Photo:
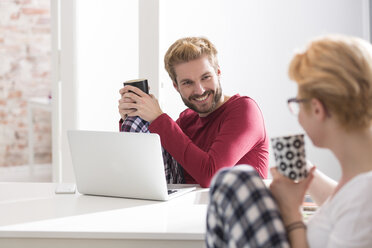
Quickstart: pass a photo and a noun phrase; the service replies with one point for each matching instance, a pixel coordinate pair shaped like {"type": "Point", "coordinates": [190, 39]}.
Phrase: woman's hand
{"type": "Point", "coordinates": [289, 194]}
{"type": "Point", "coordinates": [134, 102]}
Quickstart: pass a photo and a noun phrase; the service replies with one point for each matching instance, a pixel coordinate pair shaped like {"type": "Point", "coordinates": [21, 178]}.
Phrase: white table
{"type": "Point", "coordinates": [32, 215]}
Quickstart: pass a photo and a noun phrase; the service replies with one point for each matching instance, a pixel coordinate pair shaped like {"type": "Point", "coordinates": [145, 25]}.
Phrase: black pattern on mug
{"type": "Point", "coordinates": [289, 153]}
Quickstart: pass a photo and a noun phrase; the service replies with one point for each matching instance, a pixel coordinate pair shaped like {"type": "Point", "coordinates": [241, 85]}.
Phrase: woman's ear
{"type": "Point", "coordinates": [318, 109]}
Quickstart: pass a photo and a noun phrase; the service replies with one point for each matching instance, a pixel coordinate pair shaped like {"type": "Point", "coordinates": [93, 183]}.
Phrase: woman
{"type": "Point", "coordinates": [334, 78]}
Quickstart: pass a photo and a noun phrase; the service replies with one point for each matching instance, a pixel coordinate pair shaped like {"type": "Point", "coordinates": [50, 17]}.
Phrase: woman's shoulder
{"type": "Point", "coordinates": [356, 192]}
{"type": "Point", "coordinates": [362, 181]}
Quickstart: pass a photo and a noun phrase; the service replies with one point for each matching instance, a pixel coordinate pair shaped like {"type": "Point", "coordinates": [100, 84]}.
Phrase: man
{"type": "Point", "coordinates": [216, 130]}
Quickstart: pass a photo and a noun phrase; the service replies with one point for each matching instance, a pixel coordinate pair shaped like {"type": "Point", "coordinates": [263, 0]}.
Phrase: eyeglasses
{"type": "Point", "coordinates": [293, 105]}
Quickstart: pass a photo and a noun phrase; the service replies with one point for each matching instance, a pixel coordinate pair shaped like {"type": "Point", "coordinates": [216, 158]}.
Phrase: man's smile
{"type": "Point", "coordinates": [202, 98]}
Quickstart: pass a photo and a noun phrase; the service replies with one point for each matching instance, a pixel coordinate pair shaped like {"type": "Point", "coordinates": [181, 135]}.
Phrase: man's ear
{"type": "Point", "coordinates": [318, 109]}
{"type": "Point", "coordinates": [175, 85]}
{"type": "Point", "coordinates": [218, 71]}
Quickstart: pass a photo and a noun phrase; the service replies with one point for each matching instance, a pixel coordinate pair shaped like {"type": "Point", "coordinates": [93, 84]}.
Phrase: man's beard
{"type": "Point", "coordinates": [216, 99]}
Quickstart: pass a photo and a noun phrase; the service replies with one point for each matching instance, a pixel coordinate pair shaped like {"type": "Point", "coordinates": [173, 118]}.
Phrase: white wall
{"type": "Point", "coordinates": [256, 40]}
{"type": "Point", "coordinates": [98, 43]}
{"type": "Point", "coordinates": [107, 55]}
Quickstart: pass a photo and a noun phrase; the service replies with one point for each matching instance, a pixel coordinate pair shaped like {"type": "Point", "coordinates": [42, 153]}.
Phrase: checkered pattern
{"type": "Point", "coordinates": [135, 125]}
{"type": "Point", "coordinates": [173, 170]}
{"type": "Point", "coordinates": [242, 212]}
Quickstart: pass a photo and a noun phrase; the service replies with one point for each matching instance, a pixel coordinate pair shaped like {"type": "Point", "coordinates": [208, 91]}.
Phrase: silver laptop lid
{"type": "Point", "coordinates": [118, 164]}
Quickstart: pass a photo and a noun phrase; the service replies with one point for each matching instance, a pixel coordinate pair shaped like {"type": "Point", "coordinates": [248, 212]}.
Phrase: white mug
{"type": "Point", "coordinates": [290, 157]}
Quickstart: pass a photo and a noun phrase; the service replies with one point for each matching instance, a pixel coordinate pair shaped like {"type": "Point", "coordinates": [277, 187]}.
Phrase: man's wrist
{"type": "Point", "coordinates": [156, 117]}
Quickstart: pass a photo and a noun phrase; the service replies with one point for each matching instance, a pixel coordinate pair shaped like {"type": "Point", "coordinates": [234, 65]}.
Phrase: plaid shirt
{"type": "Point", "coordinates": [242, 212]}
{"type": "Point", "coordinates": [173, 170]}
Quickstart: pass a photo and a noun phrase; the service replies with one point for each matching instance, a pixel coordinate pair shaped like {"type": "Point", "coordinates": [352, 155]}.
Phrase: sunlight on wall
{"type": "Point", "coordinates": [107, 55]}
{"type": "Point", "coordinates": [256, 40]}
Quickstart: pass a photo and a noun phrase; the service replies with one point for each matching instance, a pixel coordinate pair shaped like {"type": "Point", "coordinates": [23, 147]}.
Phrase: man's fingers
{"type": "Point", "coordinates": [128, 106]}
{"type": "Point", "coordinates": [133, 113]}
{"type": "Point", "coordinates": [128, 111]}
{"type": "Point", "coordinates": [137, 91]}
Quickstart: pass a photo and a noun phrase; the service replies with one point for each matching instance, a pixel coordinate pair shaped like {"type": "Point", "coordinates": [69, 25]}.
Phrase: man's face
{"type": "Point", "coordinates": [199, 85]}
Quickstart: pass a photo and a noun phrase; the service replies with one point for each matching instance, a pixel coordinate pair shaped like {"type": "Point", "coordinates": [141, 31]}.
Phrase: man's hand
{"type": "Point", "coordinates": [122, 111]}
{"type": "Point", "coordinates": [134, 102]}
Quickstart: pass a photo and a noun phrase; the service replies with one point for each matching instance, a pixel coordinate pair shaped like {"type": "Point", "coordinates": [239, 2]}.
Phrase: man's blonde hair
{"type": "Point", "coordinates": [187, 49]}
{"type": "Point", "coordinates": [337, 70]}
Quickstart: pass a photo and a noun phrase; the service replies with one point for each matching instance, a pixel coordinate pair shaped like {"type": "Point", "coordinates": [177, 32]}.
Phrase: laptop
{"type": "Point", "coordinates": [121, 164]}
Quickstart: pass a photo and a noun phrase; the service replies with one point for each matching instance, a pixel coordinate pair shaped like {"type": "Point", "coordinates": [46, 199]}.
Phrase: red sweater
{"type": "Point", "coordinates": [232, 134]}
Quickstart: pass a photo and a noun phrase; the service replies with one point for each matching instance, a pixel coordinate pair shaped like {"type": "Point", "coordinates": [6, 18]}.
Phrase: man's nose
{"type": "Point", "coordinates": [199, 88]}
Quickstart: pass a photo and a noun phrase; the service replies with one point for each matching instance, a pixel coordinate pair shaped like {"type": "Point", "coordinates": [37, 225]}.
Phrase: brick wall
{"type": "Point", "coordinates": [25, 63]}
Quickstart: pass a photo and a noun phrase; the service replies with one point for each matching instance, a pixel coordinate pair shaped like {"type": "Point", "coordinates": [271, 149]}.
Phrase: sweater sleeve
{"type": "Point", "coordinates": [240, 131]}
